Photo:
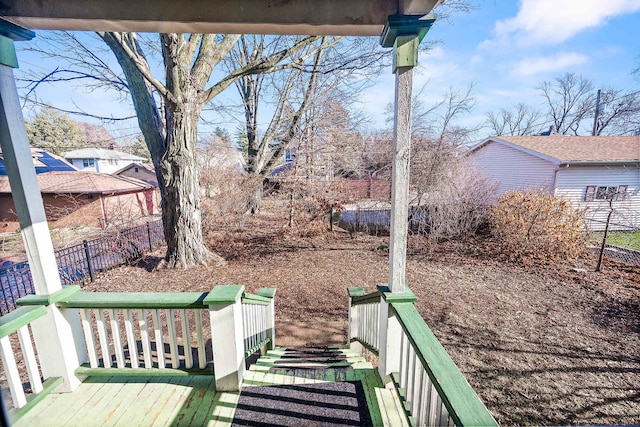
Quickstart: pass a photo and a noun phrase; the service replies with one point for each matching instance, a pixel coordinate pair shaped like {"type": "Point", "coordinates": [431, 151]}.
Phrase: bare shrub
{"type": "Point", "coordinates": [310, 204]}
{"type": "Point", "coordinates": [452, 195]}
{"type": "Point", "coordinates": [228, 192]}
{"type": "Point", "coordinates": [537, 225]}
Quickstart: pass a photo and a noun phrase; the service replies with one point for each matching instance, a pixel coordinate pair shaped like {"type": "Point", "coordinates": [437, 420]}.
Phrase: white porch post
{"type": "Point", "coordinates": [404, 47]}
{"type": "Point", "coordinates": [53, 333]}
{"type": "Point", "coordinates": [227, 336]}
{"type": "Point", "coordinates": [403, 33]}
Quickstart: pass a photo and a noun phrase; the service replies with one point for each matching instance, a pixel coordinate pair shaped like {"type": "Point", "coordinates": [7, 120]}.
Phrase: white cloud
{"type": "Point", "coordinates": [554, 21]}
{"type": "Point", "coordinates": [544, 64]}
{"type": "Point", "coordinates": [434, 53]}
{"type": "Point", "coordinates": [476, 59]}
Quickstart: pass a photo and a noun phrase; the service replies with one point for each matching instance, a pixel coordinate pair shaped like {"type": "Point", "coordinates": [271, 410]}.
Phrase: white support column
{"type": "Point", "coordinates": [404, 34]}
{"type": "Point", "coordinates": [225, 311]}
{"type": "Point", "coordinates": [54, 332]}
{"type": "Point", "coordinates": [400, 180]}
{"type": "Point", "coordinates": [24, 188]}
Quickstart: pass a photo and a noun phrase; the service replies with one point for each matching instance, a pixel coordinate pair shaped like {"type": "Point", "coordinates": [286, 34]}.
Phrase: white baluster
{"type": "Point", "coordinates": [173, 342]}
{"type": "Point", "coordinates": [186, 339]}
{"type": "Point", "coordinates": [117, 340]}
{"type": "Point", "coordinates": [200, 336]}
{"type": "Point", "coordinates": [144, 337]}
{"type": "Point", "coordinates": [30, 359]}
{"type": "Point", "coordinates": [131, 338]}
{"type": "Point", "coordinates": [85, 317]}
{"type": "Point", "coordinates": [157, 334]}
{"type": "Point", "coordinates": [102, 337]}
{"type": "Point", "coordinates": [11, 372]}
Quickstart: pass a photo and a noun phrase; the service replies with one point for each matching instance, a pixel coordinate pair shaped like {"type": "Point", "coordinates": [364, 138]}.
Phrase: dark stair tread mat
{"type": "Point", "coordinates": [317, 371]}
{"type": "Point", "coordinates": [314, 354]}
{"type": "Point", "coordinates": [310, 360]}
{"type": "Point", "coordinates": [321, 404]}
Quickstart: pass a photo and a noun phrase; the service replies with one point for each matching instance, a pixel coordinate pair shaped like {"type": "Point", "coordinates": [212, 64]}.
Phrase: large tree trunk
{"type": "Point", "coordinates": [179, 169]}
{"type": "Point", "coordinates": [173, 150]}
{"type": "Point", "coordinates": [255, 197]}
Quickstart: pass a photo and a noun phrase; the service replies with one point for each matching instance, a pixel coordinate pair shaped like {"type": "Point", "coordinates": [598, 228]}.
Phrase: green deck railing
{"type": "Point", "coordinates": [431, 386]}
{"type": "Point", "coordinates": [17, 323]}
{"type": "Point", "coordinates": [154, 333]}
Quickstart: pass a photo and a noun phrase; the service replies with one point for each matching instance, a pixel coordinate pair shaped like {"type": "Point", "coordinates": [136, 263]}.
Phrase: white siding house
{"type": "Point", "coordinates": [100, 159]}
{"type": "Point", "coordinates": [591, 172]}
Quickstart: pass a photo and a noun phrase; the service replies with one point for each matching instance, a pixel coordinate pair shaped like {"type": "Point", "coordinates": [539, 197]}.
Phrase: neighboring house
{"type": "Point", "coordinates": [89, 199]}
{"type": "Point", "coordinates": [142, 171]}
{"type": "Point", "coordinates": [221, 156]}
{"type": "Point", "coordinates": [44, 162]}
{"type": "Point", "coordinates": [100, 159]}
{"type": "Point", "coordinates": [586, 170]}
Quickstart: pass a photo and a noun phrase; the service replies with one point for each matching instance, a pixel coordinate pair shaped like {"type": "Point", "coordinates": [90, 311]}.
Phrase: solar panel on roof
{"type": "Point", "coordinates": [51, 164]}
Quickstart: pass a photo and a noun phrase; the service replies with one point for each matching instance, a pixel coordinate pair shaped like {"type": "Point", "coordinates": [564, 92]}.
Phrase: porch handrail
{"type": "Point", "coordinates": [419, 344]}
{"type": "Point", "coordinates": [121, 329]}
{"type": "Point", "coordinates": [257, 320]}
{"type": "Point", "coordinates": [179, 315]}
{"type": "Point", "coordinates": [17, 322]}
{"type": "Point", "coordinates": [364, 318]}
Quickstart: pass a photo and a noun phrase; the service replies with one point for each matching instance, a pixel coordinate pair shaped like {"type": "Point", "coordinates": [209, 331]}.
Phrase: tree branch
{"type": "Point", "coordinates": [135, 57]}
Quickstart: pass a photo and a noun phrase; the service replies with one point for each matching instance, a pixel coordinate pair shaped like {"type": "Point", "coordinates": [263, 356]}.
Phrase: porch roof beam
{"type": "Point", "coordinates": [314, 17]}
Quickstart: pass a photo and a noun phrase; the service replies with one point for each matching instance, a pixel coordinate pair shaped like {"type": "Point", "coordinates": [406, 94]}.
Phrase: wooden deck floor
{"type": "Point", "coordinates": [191, 400]}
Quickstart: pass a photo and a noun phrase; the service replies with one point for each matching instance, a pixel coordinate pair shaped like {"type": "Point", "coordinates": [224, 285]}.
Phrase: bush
{"type": "Point", "coordinates": [537, 225]}
{"type": "Point", "coordinates": [452, 198]}
{"type": "Point", "coordinates": [228, 194]}
{"type": "Point", "coordinates": [310, 202]}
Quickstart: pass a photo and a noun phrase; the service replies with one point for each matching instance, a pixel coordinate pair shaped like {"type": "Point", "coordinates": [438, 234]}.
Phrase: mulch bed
{"type": "Point", "coordinates": [541, 344]}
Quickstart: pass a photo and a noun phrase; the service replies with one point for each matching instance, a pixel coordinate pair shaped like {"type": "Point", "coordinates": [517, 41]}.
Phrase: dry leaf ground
{"type": "Point", "coordinates": [541, 344]}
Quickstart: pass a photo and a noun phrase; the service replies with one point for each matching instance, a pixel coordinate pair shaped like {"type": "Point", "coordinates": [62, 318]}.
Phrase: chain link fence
{"type": "Point", "coordinates": [79, 264]}
{"type": "Point", "coordinates": [622, 243]}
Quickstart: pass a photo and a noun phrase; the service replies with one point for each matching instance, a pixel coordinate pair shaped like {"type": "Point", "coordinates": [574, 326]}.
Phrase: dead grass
{"type": "Point", "coordinates": [541, 344]}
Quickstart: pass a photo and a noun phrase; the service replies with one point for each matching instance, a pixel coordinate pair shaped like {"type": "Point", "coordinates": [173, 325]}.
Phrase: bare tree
{"type": "Point", "coordinates": [520, 120]}
{"type": "Point", "coordinates": [168, 106]}
{"type": "Point", "coordinates": [263, 153]}
{"type": "Point", "coordinates": [618, 112]}
{"type": "Point", "coordinates": [569, 100]}
{"type": "Point", "coordinates": [303, 96]}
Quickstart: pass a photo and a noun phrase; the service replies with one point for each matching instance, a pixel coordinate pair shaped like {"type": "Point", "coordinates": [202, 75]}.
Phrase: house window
{"type": "Point", "coordinates": [289, 155]}
{"type": "Point", "coordinates": [615, 193]}
{"type": "Point", "coordinates": [135, 170]}
{"type": "Point", "coordinates": [87, 162]}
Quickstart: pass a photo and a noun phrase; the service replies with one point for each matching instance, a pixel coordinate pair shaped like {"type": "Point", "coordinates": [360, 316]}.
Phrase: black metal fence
{"type": "Point", "coordinates": [79, 264]}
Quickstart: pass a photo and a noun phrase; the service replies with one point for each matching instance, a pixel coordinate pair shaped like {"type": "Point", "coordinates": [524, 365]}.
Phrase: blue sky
{"type": "Point", "coordinates": [506, 48]}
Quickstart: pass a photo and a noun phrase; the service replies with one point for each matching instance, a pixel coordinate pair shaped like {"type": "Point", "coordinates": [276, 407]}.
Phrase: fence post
{"type": "Point", "coordinates": [604, 238]}
{"type": "Point", "coordinates": [149, 234]}
{"type": "Point", "coordinates": [87, 254]}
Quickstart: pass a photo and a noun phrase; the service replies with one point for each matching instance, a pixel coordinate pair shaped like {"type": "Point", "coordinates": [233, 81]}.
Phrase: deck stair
{"type": "Point", "coordinates": [316, 386]}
